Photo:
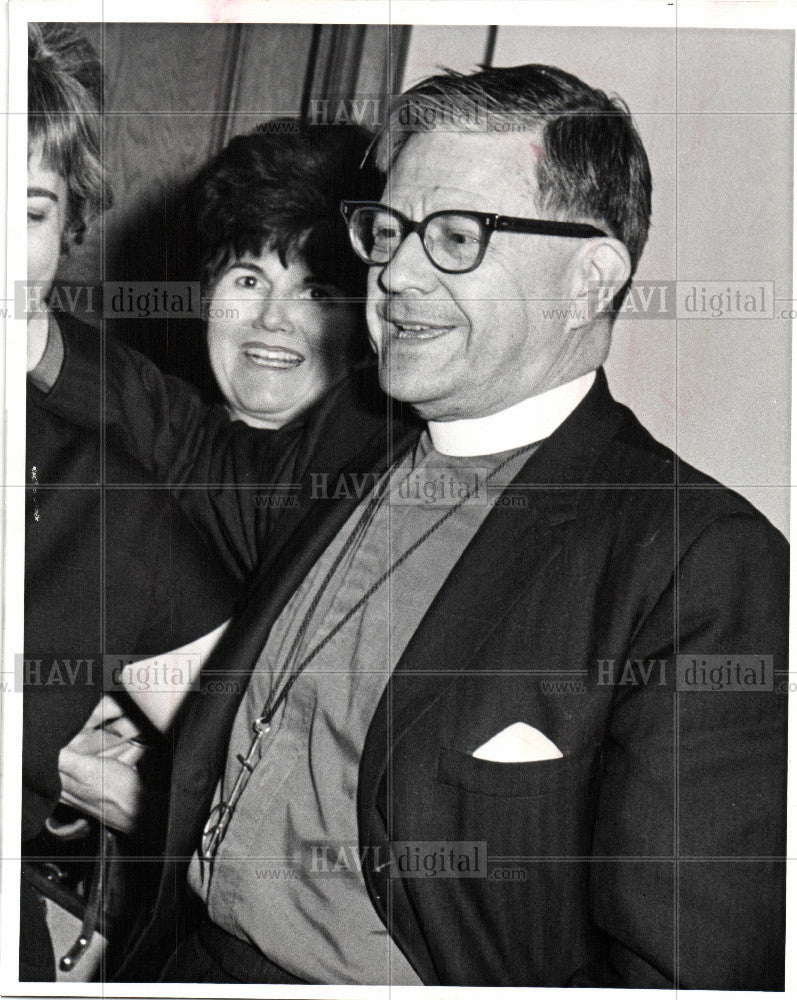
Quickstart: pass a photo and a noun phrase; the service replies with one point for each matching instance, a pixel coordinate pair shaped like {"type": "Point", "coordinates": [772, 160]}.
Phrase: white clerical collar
{"type": "Point", "coordinates": [524, 423]}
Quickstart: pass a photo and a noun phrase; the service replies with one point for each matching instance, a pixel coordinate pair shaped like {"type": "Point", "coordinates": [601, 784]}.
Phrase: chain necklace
{"type": "Point", "coordinates": [221, 814]}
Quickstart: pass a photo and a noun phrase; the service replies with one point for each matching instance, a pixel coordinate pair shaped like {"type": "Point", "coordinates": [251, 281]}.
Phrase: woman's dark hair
{"type": "Point", "coordinates": [279, 188]}
{"type": "Point", "coordinates": [64, 114]}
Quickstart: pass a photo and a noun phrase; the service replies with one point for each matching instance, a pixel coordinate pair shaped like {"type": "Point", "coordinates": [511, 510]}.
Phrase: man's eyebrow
{"type": "Point", "coordinates": [36, 192]}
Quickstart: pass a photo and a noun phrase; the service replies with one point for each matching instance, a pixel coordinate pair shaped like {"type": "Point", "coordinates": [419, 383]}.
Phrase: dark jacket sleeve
{"type": "Point", "coordinates": [223, 472]}
{"type": "Point", "coordinates": [690, 888]}
{"type": "Point", "coordinates": [163, 586]}
{"type": "Point", "coordinates": [162, 589]}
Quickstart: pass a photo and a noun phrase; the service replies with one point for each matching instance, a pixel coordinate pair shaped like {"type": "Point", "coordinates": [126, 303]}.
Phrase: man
{"type": "Point", "coordinates": [475, 698]}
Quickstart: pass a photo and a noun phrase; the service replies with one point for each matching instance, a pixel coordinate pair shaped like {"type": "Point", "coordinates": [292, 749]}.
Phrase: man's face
{"type": "Point", "coordinates": [47, 195]}
{"type": "Point", "coordinates": [466, 345]}
{"type": "Point", "coordinates": [277, 338]}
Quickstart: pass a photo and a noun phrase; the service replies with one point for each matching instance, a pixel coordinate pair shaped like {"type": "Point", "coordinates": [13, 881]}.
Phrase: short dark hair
{"type": "Point", "coordinates": [592, 166]}
{"type": "Point", "coordinates": [279, 188]}
{"type": "Point", "coordinates": [64, 113]}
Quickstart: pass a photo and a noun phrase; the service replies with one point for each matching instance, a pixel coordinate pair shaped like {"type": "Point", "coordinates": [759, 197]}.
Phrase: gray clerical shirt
{"type": "Point", "coordinates": [300, 800]}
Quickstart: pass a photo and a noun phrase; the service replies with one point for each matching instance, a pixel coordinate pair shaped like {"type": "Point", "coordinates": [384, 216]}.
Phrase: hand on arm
{"type": "Point", "coordinates": [98, 769]}
{"type": "Point", "coordinates": [98, 766]}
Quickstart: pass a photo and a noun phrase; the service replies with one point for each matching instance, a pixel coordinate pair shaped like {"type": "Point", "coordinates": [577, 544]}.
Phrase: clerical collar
{"type": "Point", "coordinates": [530, 420]}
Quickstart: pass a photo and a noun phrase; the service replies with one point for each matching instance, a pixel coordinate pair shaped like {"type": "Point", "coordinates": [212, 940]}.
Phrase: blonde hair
{"type": "Point", "coordinates": [64, 115]}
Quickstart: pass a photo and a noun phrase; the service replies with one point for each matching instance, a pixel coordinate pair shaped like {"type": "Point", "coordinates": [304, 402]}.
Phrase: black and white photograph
{"type": "Point", "coordinates": [396, 575]}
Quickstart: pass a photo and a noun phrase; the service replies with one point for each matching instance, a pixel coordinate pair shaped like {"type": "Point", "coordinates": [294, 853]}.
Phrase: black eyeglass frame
{"type": "Point", "coordinates": [489, 223]}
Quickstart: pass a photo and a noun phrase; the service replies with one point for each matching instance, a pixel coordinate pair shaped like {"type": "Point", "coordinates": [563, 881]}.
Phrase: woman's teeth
{"type": "Point", "coordinates": [272, 357]}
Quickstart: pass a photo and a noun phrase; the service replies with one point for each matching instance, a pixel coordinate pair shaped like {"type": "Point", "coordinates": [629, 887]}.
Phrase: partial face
{"type": "Point", "coordinates": [466, 345]}
{"type": "Point", "coordinates": [276, 337]}
{"type": "Point", "coordinates": [47, 199]}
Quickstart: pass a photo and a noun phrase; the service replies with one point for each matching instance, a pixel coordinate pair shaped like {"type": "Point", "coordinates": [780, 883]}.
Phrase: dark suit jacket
{"type": "Point", "coordinates": [649, 854]}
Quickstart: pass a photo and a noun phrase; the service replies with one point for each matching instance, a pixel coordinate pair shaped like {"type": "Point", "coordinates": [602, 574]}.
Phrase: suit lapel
{"type": "Point", "coordinates": [501, 562]}
{"type": "Point", "coordinates": [505, 557]}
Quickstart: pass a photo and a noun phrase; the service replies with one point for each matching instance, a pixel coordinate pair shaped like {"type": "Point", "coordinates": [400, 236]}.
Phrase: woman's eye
{"type": "Point", "coordinates": [322, 293]}
{"type": "Point", "coordinates": [246, 281]}
{"type": "Point", "coordinates": [38, 210]}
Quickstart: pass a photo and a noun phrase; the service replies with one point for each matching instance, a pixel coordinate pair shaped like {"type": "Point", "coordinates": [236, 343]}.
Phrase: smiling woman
{"type": "Point", "coordinates": [285, 290]}
{"type": "Point", "coordinates": [286, 339]}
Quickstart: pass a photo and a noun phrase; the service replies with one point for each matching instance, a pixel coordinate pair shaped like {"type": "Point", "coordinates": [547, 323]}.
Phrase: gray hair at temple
{"type": "Point", "coordinates": [591, 167]}
{"type": "Point", "coordinates": [64, 114]}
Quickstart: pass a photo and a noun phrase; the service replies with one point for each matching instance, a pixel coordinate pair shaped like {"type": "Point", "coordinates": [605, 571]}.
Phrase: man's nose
{"type": "Point", "coordinates": [410, 269]}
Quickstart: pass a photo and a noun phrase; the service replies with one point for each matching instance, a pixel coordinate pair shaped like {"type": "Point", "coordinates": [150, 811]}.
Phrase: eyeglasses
{"type": "Point", "coordinates": [455, 242]}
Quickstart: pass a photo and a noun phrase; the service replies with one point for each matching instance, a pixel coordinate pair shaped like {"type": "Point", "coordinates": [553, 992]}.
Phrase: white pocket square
{"type": "Point", "coordinates": [516, 744]}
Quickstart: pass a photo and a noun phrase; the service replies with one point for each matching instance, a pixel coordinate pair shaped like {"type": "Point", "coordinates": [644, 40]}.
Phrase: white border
{"type": "Point", "coordinates": [750, 14]}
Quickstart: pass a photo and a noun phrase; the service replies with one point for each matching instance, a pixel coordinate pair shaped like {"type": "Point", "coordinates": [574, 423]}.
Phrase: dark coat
{"type": "Point", "coordinates": [648, 854]}
{"type": "Point", "coordinates": [106, 572]}
{"type": "Point", "coordinates": [116, 571]}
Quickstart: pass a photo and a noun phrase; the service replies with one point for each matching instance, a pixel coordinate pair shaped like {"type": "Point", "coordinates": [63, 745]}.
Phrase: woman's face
{"type": "Point", "coordinates": [277, 338]}
{"type": "Point", "coordinates": [47, 195]}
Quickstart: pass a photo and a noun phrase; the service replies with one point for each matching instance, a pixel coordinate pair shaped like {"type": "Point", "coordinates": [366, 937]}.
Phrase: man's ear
{"type": "Point", "coordinates": [601, 270]}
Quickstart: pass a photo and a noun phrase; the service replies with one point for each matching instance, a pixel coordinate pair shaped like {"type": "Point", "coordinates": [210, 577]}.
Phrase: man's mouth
{"type": "Point", "coordinates": [419, 331]}
{"type": "Point", "coordinates": [270, 356]}
{"type": "Point", "coordinates": [415, 328]}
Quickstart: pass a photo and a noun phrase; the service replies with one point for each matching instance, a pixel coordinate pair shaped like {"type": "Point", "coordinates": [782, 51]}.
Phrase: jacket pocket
{"type": "Point", "coordinates": [523, 779]}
